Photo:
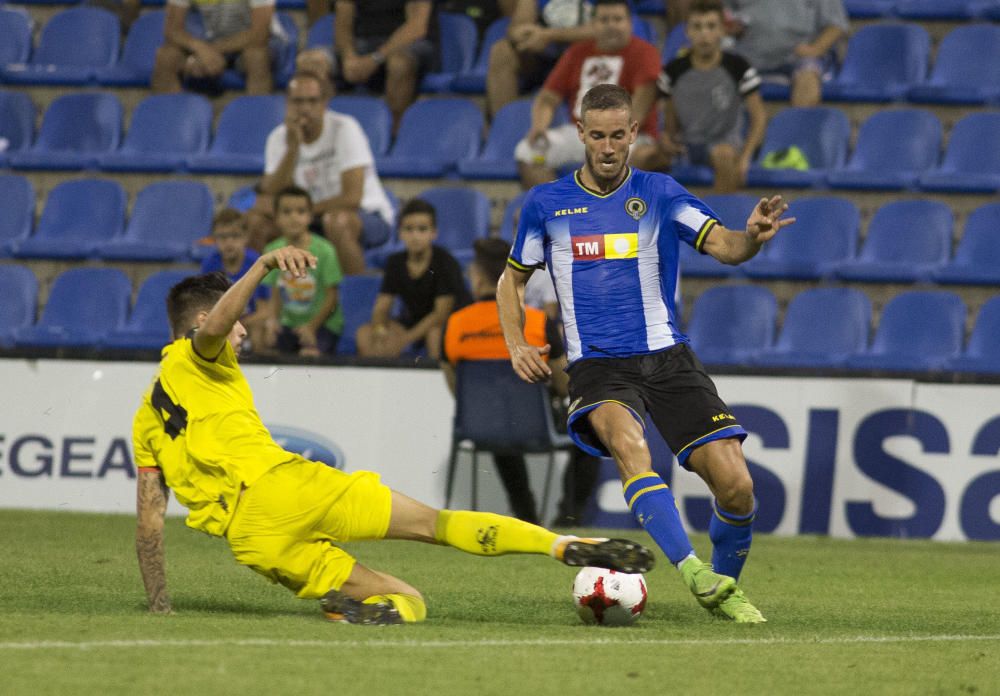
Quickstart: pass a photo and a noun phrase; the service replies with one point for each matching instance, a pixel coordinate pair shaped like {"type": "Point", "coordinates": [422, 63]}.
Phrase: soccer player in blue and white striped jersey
{"type": "Point", "coordinates": [609, 236]}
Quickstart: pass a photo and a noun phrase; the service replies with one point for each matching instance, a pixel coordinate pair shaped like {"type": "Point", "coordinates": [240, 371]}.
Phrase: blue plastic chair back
{"type": "Point", "coordinates": [731, 323]}
{"type": "Point", "coordinates": [18, 196]}
{"type": "Point", "coordinates": [926, 325]}
{"type": "Point", "coordinates": [826, 231]}
{"type": "Point", "coordinates": [511, 216]}
{"type": "Point", "coordinates": [974, 145]}
{"type": "Point", "coordinates": [84, 122]}
{"type": "Point", "coordinates": [171, 212]}
{"type": "Point", "coordinates": [732, 209]}
{"type": "Point", "coordinates": [458, 42]}
{"type": "Point", "coordinates": [421, 135]}
{"type": "Point", "coordinates": [150, 312]}
{"type": "Point", "coordinates": [245, 124]}
{"type": "Point", "coordinates": [17, 120]}
{"type": "Point", "coordinates": [81, 36]}
{"type": "Point", "coordinates": [144, 37]}
{"type": "Point", "coordinates": [886, 57]}
{"type": "Point", "coordinates": [834, 322]}
{"type": "Point", "coordinates": [906, 140]}
{"type": "Point", "coordinates": [463, 215]}
{"type": "Point", "coordinates": [822, 133]}
{"type": "Point", "coordinates": [984, 343]}
{"type": "Point", "coordinates": [372, 114]}
{"type": "Point", "coordinates": [320, 34]}
{"type": "Point", "coordinates": [509, 126]}
{"type": "Point", "coordinates": [18, 300]}
{"type": "Point", "coordinates": [969, 56]}
{"type": "Point", "coordinates": [980, 242]}
{"type": "Point", "coordinates": [15, 28]}
{"type": "Point", "coordinates": [170, 123]}
{"type": "Point", "coordinates": [86, 303]}
{"type": "Point", "coordinates": [911, 231]}
{"type": "Point", "coordinates": [357, 299]}
{"type": "Point", "coordinates": [89, 210]}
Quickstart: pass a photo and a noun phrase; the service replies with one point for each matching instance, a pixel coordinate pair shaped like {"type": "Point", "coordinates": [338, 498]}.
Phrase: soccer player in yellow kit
{"type": "Point", "coordinates": [197, 432]}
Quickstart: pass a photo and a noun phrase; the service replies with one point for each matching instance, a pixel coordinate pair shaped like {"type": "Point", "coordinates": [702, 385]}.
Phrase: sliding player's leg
{"type": "Point", "coordinates": [489, 534]}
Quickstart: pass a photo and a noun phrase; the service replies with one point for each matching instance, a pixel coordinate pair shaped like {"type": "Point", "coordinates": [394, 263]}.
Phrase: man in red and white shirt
{"type": "Point", "coordinates": [614, 56]}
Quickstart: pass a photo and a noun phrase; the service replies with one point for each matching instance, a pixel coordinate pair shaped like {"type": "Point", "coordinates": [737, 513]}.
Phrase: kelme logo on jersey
{"type": "Point", "coordinates": [635, 207]}
{"type": "Point", "coordinates": [606, 246]}
{"type": "Point", "coordinates": [310, 445]}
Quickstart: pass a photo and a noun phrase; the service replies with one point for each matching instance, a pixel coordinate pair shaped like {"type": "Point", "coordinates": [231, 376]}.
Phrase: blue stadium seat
{"type": "Point", "coordinates": [971, 163]}
{"type": "Point", "coordinates": [732, 210]}
{"type": "Point", "coordinates": [844, 315]}
{"type": "Point", "coordinates": [936, 10]}
{"type": "Point", "coordinates": [18, 300]}
{"type": "Point", "coordinates": [240, 136]}
{"type": "Point", "coordinates": [83, 306]}
{"type": "Point", "coordinates": [731, 324]}
{"type": "Point", "coordinates": [674, 43]}
{"type": "Point", "coordinates": [497, 158]}
{"type": "Point", "coordinates": [147, 327]}
{"type": "Point", "coordinates": [511, 215]}
{"type": "Point", "coordinates": [650, 7]}
{"type": "Point", "coordinates": [15, 28]}
{"type": "Point", "coordinates": [473, 81]}
{"type": "Point", "coordinates": [135, 67]}
{"type": "Point", "coordinates": [907, 241]}
{"type": "Point", "coordinates": [966, 70]}
{"type": "Point", "coordinates": [918, 330]}
{"type": "Point", "coordinates": [167, 219]}
{"type": "Point", "coordinates": [977, 258]}
{"type": "Point", "coordinates": [165, 130]}
{"type": "Point", "coordinates": [76, 130]}
{"type": "Point", "coordinates": [423, 149]}
{"type": "Point", "coordinates": [283, 50]}
{"type": "Point", "coordinates": [641, 29]}
{"type": "Point", "coordinates": [983, 352]}
{"type": "Point", "coordinates": [869, 9]}
{"type": "Point", "coordinates": [463, 216]}
{"type": "Point", "coordinates": [458, 51]}
{"type": "Point", "coordinates": [883, 61]}
{"type": "Point", "coordinates": [18, 219]}
{"type": "Point", "coordinates": [17, 123]}
{"type": "Point", "coordinates": [893, 149]}
{"type": "Point", "coordinates": [825, 234]}
{"type": "Point", "coordinates": [73, 45]}
{"type": "Point", "coordinates": [821, 133]}
{"type": "Point", "coordinates": [357, 299]}
{"type": "Point", "coordinates": [372, 114]}
{"type": "Point", "coordinates": [320, 34]}
{"type": "Point", "coordinates": [79, 216]}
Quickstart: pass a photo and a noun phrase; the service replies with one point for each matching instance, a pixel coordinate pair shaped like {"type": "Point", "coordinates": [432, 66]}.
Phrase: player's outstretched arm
{"type": "Point", "coordinates": [151, 506]}
{"type": "Point", "coordinates": [209, 339]}
{"type": "Point", "coordinates": [526, 358]}
{"type": "Point", "coordinates": [732, 247]}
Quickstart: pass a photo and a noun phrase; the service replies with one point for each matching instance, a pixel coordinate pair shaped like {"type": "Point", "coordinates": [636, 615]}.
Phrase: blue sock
{"type": "Point", "coordinates": [652, 503]}
{"type": "Point", "coordinates": [731, 536]}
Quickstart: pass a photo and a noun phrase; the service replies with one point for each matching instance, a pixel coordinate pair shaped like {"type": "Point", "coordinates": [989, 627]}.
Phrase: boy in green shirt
{"type": "Point", "coordinates": [304, 313]}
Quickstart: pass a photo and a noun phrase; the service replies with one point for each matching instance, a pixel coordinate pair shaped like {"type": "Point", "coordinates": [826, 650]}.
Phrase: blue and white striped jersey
{"type": "Point", "coordinates": [613, 259]}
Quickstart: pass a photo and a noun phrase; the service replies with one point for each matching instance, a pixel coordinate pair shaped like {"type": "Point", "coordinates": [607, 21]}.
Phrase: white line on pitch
{"type": "Point", "coordinates": [512, 642]}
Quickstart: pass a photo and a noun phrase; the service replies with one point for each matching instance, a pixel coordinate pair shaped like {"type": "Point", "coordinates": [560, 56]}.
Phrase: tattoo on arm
{"type": "Point", "coordinates": [152, 505]}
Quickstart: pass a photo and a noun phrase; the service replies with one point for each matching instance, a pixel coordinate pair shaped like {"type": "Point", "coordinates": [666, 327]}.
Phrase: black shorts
{"type": "Point", "coordinates": [670, 385]}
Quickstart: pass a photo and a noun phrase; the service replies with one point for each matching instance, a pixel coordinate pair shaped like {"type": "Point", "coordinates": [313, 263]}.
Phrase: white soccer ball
{"type": "Point", "coordinates": [609, 598]}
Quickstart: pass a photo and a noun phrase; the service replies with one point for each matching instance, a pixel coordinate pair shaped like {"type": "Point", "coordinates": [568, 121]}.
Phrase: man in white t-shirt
{"type": "Point", "coordinates": [327, 154]}
{"type": "Point", "coordinates": [234, 33]}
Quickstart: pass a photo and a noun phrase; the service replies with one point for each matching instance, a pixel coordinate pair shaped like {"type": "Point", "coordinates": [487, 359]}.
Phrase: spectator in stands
{"type": "Point", "coordinates": [237, 32]}
{"type": "Point", "coordinates": [304, 314]}
{"type": "Point", "coordinates": [392, 43]}
{"type": "Point", "coordinates": [427, 281]}
{"type": "Point", "coordinates": [327, 154]}
{"type": "Point", "coordinates": [234, 258]}
{"type": "Point", "coordinates": [704, 94]}
{"type": "Point", "coordinates": [540, 31]}
{"type": "Point", "coordinates": [474, 333]}
{"type": "Point", "coordinates": [790, 41]}
{"type": "Point", "coordinates": [614, 56]}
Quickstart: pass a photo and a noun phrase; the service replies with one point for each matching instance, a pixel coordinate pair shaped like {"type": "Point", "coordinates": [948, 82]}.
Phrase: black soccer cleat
{"type": "Point", "coordinates": [340, 608]}
{"type": "Point", "coordinates": [620, 555]}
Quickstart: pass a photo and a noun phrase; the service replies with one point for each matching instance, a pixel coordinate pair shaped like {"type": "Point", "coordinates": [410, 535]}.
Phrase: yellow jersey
{"type": "Point", "coordinates": [198, 425]}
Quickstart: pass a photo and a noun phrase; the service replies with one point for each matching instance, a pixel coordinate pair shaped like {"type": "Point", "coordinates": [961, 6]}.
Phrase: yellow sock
{"type": "Point", "coordinates": [488, 534]}
{"type": "Point", "coordinates": [411, 608]}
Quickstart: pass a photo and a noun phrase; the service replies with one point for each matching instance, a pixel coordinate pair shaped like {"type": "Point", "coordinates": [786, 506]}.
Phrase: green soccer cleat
{"type": "Point", "coordinates": [737, 608]}
{"type": "Point", "coordinates": [707, 586]}
{"type": "Point", "coordinates": [620, 555]}
{"type": "Point", "coordinates": [340, 608]}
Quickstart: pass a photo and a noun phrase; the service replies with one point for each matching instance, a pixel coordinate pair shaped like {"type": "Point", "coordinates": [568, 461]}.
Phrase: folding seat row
{"type": "Point", "coordinates": [80, 46]}
{"type": "Point", "coordinates": [89, 307]}
{"type": "Point", "coordinates": [85, 218]}
{"type": "Point", "coordinates": [829, 327]}
{"type": "Point", "coordinates": [924, 10]}
{"type": "Point", "coordinates": [889, 62]}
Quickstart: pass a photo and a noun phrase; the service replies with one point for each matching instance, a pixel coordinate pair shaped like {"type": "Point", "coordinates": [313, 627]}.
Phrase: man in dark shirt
{"type": "Point", "coordinates": [428, 282]}
{"type": "Point", "coordinates": [391, 41]}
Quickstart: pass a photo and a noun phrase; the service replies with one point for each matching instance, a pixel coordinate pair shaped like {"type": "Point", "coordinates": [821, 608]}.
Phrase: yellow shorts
{"type": "Point", "coordinates": [285, 524]}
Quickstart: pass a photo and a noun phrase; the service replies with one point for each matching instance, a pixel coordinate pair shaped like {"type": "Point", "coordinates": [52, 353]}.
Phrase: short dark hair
{"type": "Point", "coordinates": [192, 295]}
{"type": "Point", "coordinates": [490, 257]}
{"type": "Point", "coordinates": [700, 7]}
{"type": "Point", "coordinates": [605, 97]}
{"type": "Point", "coordinates": [229, 216]}
{"type": "Point", "coordinates": [598, 3]}
{"type": "Point", "coordinates": [418, 205]}
{"type": "Point", "coordinates": [292, 192]}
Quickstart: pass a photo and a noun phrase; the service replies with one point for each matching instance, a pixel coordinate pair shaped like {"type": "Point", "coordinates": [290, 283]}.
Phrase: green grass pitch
{"type": "Point", "coordinates": [864, 616]}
